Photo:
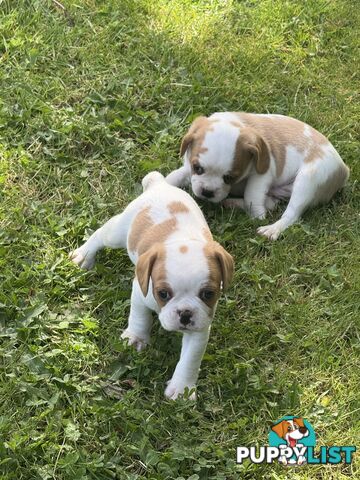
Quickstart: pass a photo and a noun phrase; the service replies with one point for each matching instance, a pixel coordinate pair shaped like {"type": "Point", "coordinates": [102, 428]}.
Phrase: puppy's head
{"type": "Point", "coordinates": [186, 280]}
{"type": "Point", "coordinates": [221, 153]}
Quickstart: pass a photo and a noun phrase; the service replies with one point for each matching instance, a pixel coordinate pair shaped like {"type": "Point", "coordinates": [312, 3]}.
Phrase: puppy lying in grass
{"type": "Point", "coordinates": [263, 159]}
{"type": "Point", "coordinates": [180, 271]}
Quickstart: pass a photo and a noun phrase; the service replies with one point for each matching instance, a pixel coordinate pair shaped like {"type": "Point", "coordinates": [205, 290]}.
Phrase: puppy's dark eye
{"type": "Point", "coordinates": [164, 295]}
{"type": "Point", "coordinates": [198, 170]}
{"type": "Point", "coordinates": [207, 295]}
{"type": "Point", "coordinates": [228, 179]}
{"type": "Point", "coordinates": [289, 428]}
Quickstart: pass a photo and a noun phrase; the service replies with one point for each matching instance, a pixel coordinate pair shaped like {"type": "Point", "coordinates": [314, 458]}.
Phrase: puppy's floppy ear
{"type": "Point", "coordinates": [251, 147]}
{"type": "Point", "coordinates": [185, 143]}
{"type": "Point", "coordinates": [189, 137]}
{"type": "Point", "coordinates": [144, 268]}
{"type": "Point", "coordinates": [226, 264]}
{"type": "Point", "coordinates": [279, 429]}
{"type": "Point", "coordinates": [260, 152]}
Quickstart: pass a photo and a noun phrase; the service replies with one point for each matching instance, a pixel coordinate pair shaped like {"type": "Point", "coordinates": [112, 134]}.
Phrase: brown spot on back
{"type": "Point", "coordinates": [183, 249]}
{"type": "Point", "coordinates": [140, 224]}
{"type": "Point", "coordinates": [314, 152]}
{"type": "Point", "coordinates": [145, 233]}
{"type": "Point", "coordinates": [158, 233]}
{"type": "Point", "coordinates": [177, 207]}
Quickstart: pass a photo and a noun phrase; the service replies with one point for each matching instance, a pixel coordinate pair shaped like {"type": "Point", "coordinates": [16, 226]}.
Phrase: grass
{"type": "Point", "coordinates": [92, 99]}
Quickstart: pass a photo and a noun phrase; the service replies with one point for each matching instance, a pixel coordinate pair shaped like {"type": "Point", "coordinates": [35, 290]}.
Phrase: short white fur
{"type": "Point", "coordinates": [305, 184]}
{"type": "Point", "coordinates": [186, 272]}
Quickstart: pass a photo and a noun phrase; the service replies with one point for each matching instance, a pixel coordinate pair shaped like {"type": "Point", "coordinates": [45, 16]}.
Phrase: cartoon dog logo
{"type": "Point", "coordinates": [292, 430]}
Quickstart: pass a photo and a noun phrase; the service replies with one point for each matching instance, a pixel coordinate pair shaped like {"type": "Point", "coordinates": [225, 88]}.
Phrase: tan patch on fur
{"type": "Point", "coordinates": [140, 224]}
{"type": "Point", "coordinates": [194, 138]}
{"type": "Point", "coordinates": [158, 233]}
{"type": "Point", "coordinates": [177, 207]}
{"type": "Point", "coordinates": [147, 238]}
{"type": "Point", "coordinates": [314, 152]}
{"type": "Point", "coordinates": [280, 132]}
{"type": "Point", "coordinates": [183, 249]}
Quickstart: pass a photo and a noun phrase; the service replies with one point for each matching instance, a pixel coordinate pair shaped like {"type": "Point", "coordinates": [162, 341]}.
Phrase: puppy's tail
{"type": "Point", "coordinates": [150, 179]}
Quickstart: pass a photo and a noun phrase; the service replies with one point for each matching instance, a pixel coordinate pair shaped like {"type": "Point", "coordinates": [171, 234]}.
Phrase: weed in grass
{"type": "Point", "coordinates": [91, 100]}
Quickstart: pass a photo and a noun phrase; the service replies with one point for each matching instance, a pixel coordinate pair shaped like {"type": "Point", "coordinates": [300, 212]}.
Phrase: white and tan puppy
{"type": "Point", "coordinates": [180, 271]}
{"type": "Point", "coordinates": [262, 158]}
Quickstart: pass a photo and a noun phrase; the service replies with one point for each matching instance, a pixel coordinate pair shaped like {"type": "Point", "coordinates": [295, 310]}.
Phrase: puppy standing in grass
{"type": "Point", "coordinates": [262, 158]}
{"type": "Point", "coordinates": [179, 271]}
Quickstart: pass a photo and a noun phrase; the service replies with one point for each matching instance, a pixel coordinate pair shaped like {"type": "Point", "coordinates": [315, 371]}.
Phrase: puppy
{"type": "Point", "coordinates": [180, 271]}
{"type": "Point", "coordinates": [262, 158]}
{"type": "Point", "coordinates": [291, 431]}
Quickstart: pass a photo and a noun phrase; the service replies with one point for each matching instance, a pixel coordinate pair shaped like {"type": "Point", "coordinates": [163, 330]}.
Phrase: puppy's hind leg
{"type": "Point", "coordinates": [112, 234]}
{"type": "Point", "coordinates": [303, 195]}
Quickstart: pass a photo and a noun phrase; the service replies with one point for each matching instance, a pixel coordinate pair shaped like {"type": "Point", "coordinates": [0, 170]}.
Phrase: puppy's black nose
{"type": "Point", "coordinates": [185, 317]}
{"type": "Point", "coordinates": [303, 430]}
{"type": "Point", "coordinates": [207, 193]}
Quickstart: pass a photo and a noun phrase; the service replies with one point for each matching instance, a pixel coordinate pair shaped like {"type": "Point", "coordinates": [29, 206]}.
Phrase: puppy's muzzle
{"type": "Point", "coordinates": [185, 317]}
{"type": "Point", "coordinates": [207, 193]}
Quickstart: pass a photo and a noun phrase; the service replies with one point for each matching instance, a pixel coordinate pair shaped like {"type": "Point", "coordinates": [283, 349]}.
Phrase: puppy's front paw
{"type": "Point", "coordinates": [134, 340]}
{"type": "Point", "coordinates": [82, 258]}
{"type": "Point", "coordinates": [176, 389]}
{"type": "Point", "coordinates": [272, 232]}
{"type": "Point", "coordinates": [234, 203]}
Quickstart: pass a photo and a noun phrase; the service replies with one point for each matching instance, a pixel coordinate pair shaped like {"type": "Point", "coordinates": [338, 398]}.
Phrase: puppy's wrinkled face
{"type": "Point", "coordinates": [221, 153]}
{"type": "Point", "coordinates": [186, 283]}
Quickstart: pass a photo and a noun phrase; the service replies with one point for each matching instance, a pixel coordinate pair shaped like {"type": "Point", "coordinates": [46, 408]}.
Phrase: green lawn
{"type": "Point", "coordinates": [91, 100]}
